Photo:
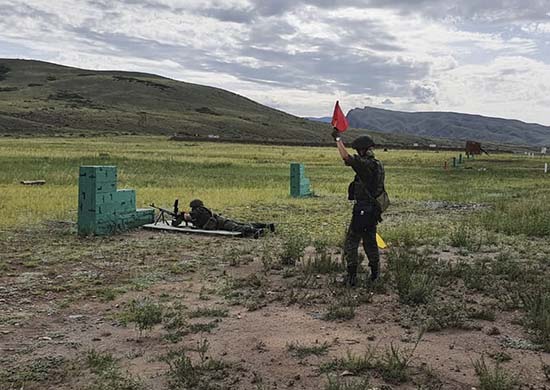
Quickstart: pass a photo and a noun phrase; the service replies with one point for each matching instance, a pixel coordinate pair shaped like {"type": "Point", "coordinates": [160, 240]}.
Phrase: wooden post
{"type": "Point", "coordinates": [454, 162]}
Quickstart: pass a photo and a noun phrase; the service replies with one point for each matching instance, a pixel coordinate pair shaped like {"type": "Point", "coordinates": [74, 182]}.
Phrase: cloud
{"type": "Point", "coordinates": [301, 55]}
{"type": "Point", "coordinates": [424, 93]}
{"type": "Point", "coordinates": [488, 11]}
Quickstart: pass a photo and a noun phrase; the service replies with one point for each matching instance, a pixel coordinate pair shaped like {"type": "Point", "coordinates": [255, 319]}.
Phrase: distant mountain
{"type": "Point", "coordinates": [324, 119]}
{"type": "Point", "coordinates": [40, 98]}
{"type": "Point", "coordinates": [450, 125]}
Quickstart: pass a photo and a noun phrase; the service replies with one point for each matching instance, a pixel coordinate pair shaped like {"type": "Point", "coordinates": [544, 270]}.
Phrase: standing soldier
{"type": "Point", "coordinates": [367, 185]}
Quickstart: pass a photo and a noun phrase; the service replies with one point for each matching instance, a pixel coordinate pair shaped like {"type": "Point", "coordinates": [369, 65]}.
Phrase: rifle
{"type": "Point", "coordinates": [177, 217]}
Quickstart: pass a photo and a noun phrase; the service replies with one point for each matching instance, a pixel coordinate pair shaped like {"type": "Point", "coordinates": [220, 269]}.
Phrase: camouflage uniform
{"type": "Point", "coordinates": [203, 218]}
{"type": "Point", "coordinates": [369, 179]}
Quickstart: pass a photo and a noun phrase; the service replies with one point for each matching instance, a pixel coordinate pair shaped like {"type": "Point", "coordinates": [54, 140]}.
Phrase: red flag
{"type": "Point", "coordinates": [339, 120]}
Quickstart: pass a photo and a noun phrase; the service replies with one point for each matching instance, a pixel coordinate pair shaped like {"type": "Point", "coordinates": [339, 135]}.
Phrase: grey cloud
{"type": "Point", "coordinates": [235, 15]}
{"type": "Point", "coordinates": [12, 12]}
{"type": "Point", "coordinates": [329, 67]}
{"type": "Point", "coordinates": [488, 10]}
{"type": "Point", "coordinates": [424, 94]}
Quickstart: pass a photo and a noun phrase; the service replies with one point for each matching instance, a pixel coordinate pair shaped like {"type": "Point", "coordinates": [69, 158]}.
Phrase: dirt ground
{"type": "Point", "coordinates": [62, 299]}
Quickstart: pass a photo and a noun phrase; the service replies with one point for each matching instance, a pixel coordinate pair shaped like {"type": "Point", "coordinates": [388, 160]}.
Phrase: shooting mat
{"type": "Point", "coordinates": [165, 226]}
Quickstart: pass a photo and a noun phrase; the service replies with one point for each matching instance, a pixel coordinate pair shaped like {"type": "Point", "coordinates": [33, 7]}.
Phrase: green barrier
{"type": "Point", "coordinates": [104, 210]}
{"type": "Point", "coordinates": [299, 183]}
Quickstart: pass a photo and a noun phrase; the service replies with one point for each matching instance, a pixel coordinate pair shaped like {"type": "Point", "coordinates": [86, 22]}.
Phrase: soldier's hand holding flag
{"type": "Point", "coordinates": [339, 121]}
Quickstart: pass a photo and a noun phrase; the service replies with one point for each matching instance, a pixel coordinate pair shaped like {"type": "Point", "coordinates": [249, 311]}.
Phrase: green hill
{"type": "Point", "coordinates": [40, 98]}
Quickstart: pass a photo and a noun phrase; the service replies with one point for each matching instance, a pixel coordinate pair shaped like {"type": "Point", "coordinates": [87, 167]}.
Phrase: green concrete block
{"type": "Point", "coordinates": [107, 217]}
{"type": "Point", "coordinates": [97, 179]}
{"type": "Point", "coordinates": [102, 210]}
{"type": "Point", "coordinates": [107, 210]}
{"type": "Point", "coordinates": [100, 172]}
{"type": "Point", "coordinates": [146, 215]}
{"type": "Point", "coordinates": [299, 183]}
{"type": "Point", "coordinates": [126, 200]}
{"type": "Point", "coordinates": [105, 229]}
{"type": "Point", "coordinates": [86, 227]}
{"type": "Point", "coordinates": [297, 167]}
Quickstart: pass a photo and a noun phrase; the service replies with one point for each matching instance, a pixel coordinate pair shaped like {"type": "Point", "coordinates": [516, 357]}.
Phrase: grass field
{"type": "Point", "coordinates": [467, 271]}
{"type": "Point", "coordinates": [252, 181]}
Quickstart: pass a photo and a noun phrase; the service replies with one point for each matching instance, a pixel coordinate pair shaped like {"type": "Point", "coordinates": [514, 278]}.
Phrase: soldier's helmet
{"type": "Point", "coordinates": [363, 142]}
{"type": "Point", "coordinates": [196, 203]}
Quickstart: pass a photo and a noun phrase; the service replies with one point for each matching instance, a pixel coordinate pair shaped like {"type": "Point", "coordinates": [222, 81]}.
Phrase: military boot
{"type": "Point", "coordinates": [374, 272]}
{"type": "Point", "coordinates": [351, 277]}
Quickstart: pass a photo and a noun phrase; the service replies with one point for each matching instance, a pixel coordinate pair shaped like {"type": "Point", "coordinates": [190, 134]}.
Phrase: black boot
{"type": "Point", "coordinates": [374, 272]}
{"type": "Point", "coordinates": [259, 233]}
{"type": "Point", "coordinates": [351, 277]}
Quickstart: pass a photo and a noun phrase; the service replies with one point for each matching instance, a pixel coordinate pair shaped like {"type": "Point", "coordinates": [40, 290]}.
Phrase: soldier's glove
{"type": "Point", "coordinates": [335, 134]}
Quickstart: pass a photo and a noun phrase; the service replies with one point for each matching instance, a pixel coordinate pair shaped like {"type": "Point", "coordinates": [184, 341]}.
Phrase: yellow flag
{"type": "Point", "coordinates": [380, 242]}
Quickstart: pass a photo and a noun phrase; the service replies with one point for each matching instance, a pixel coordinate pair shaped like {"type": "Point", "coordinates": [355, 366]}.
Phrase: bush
{"type": "Point", "coordinates": [293, 249]}
{"type": "Point", "coordinates": [493, 379]}
{"type": "Point", "coordinates": [356, 364]}
{"type": "Point", "coordinates": [337, 383]}
{"type": "Point", "coordinates": [445, 316]}
{"type": "Point", "coordinates": [144, 313]}
{"type": "Point", "coordinates": [407, 268]}
{"type": "Point", "coordinates": [394, 365]}
{"type": "Point", "coordinates": [100, 362]}
{"type": "Point", "coordinates": [323, 262]}
{"type": "Point", "coordinates": [301, 351]}
{"type": "Point", "coordinates": [337, 312]}
{"type": "Point", "coordinates": [537, 305]}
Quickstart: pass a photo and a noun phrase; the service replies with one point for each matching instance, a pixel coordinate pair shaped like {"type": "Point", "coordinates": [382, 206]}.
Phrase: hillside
{"type": "Point", "coordinates": [39, 98]}
{"type": "Point", "coordinates": [451, 126]}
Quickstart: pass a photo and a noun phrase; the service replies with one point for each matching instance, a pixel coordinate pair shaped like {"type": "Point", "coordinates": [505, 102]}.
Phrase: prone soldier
{"type": "Point", "coordinates": [203, 218]}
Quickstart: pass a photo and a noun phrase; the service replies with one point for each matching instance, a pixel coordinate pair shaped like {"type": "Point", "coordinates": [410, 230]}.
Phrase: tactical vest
{"type": "Point", "coordinates": [366, 186]}
{"type": "Point", "coordinates": [203, 218]}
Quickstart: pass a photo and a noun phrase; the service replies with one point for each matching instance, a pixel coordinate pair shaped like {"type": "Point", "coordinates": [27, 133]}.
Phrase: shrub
{"type": "Point", "coordinates": [323, 262]}
{"type": "Point", "coordinates": [493, 379]}
{"type": "Point", "coordinates": [293, 249]}
{"type": "Point", "coordinates": [356, 364]}
{"type": "Point", "coordinates": [99, 362]}
{"type": "Point", "coordinates": [301, 351]}
{"type": "Point", "coordinates": [407, 268]}
{"type": "Point", "coordinates": [337, 312]}
{"type": "Point", "coordinates": [334, 382]}
{"type": "Point", "coordinates": [445, 316]}
{"type": "Point", "coordinates": [394, 365]}
{"type": "Point", "coordinates": [144, 313]}
{"type": "Point", "coordinates": [537, 305]}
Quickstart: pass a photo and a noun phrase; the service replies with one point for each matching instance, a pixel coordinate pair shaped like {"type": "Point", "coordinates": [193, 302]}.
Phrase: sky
{"type": "Point", "coordinates": [488, 57]}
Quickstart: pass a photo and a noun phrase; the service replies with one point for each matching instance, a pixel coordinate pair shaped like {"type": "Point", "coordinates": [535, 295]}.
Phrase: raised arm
{"type": "Point", "coordinates": [340, 145]}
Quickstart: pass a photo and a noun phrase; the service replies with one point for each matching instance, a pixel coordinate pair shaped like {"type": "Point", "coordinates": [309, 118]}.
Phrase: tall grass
{"type": "Point", "coordinates": [252, 182]}
{"type": "Point", "coordinates": [529, 215]}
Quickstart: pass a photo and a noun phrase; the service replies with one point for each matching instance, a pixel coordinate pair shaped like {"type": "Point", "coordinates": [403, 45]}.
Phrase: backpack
{"type": "Point", "coordinates": [382, 200]}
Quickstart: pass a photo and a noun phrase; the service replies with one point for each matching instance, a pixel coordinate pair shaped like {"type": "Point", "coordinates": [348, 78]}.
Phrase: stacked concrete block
{"type": "Point", "coordinates": [104, 210]}
{"type": "Point", "coordinates": [299, 183]}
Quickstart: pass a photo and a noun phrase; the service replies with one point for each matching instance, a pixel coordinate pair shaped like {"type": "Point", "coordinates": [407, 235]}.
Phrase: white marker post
{"type": "Point", "coordinates": [545, 167]}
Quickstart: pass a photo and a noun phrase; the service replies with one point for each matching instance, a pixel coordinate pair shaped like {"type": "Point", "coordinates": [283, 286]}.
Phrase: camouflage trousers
{"type": "Point", "coordinates": [366, 234]}
{"type": "Point", "coordinates": [247, 229]}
